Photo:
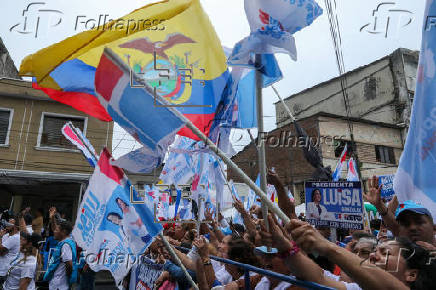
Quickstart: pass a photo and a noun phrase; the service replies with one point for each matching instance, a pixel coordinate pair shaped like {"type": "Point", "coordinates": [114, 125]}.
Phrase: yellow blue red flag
{"type": "Point", "coordinates": [171, 44]}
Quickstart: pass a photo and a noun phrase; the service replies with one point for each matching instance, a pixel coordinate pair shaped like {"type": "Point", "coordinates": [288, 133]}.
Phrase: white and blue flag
{"type": "Point", "coordinates": [272, 25]}
{"type": "Point", "coordinates": [415, 179]}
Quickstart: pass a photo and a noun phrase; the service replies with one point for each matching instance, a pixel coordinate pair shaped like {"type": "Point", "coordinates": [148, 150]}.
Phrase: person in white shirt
{"type": "Point", "coordinates": [63, 271]}
{"type": "Point", "coordinates": [21, 274]}
{"type": "Point", "coordinates": [9, 247]}
{"type": "Point", "coordinates": [272, 262]}
{"type": "Point", "coordinates": [315, 210]}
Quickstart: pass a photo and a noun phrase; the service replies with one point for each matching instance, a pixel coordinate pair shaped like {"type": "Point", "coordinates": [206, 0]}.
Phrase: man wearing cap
{"type": "Point", "coordinates": [415, 222]}
{"type": "Point", "coordinates": [411, 220]}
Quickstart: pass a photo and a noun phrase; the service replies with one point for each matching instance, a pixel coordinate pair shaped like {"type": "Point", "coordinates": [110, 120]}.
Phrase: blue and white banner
{"type": "Point", "coordinates": [338, 169]}
{"type": "Point", "coordinates": [334, 204]}
{"type": "Point", "coordinates": [352, 174]}
{"type": "Point", "coordinates": [415, 179]}
{"type": "Point", "coordinates": [387, 186]}
{"type": "Point", "coordinates": [145, 274]}
{"type": "Point", "coordinates": [112, 231]}
{"type": "Point", "coordinates": [141, 160]}
{"type": "Point", "coordinates": [178, 166]}
{"type": "Point", "coordinates": [272, 24]}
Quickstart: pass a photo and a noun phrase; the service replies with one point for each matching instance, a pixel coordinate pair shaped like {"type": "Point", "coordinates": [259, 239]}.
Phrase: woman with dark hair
{"type": "Point", "coordinates": [315, 210]}
{"type": "Point", "coordinates": [21, 274]}
{"type": "Point", "coordinates": [239, 250]}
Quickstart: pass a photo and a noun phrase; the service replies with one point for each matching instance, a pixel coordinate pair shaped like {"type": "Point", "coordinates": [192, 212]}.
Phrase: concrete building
{"type": "Point", "coordinates": [38, 166]}
{"type": "Point", "coordinates": [380, 97]}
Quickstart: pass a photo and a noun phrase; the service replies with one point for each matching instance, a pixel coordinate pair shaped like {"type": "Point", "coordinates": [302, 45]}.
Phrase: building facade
{"type": "Point", "coordinates": [380, 96]}
{"type": "Point", "coordinates": [38, 166]}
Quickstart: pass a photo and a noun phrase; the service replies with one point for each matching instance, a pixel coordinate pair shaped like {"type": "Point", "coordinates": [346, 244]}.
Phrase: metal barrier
{"type": "Point", "coordinates": [249, 268]}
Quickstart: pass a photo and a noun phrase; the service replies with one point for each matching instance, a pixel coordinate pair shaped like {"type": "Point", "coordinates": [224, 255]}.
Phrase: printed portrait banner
{"type": "Point", "coordinates": [334, 204]}
{"type": "Point", "coordinates": [112, 231]}
{"type": "Point", "coordinates": [387, 183]}
{"type": "Point", "coordinates": [145, 274]}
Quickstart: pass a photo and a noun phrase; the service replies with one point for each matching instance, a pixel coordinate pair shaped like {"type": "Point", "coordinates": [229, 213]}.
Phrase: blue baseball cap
{"type": "Point", "coordinates": [263, 250]}
{"type": "Point", "coordinates": [410, 205]}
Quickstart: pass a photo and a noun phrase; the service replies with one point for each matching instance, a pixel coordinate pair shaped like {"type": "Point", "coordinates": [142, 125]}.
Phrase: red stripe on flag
{"type": "Point", "coordinates": [113, 172]}
{"type": "Point", "coordinates": [106, 77]}
{"type": "Point", "coordinates": [202, 122]}
{"type": "Point", "coordinates": [68, 131]}
{"type": "Point", "coordinates": [83, 102]}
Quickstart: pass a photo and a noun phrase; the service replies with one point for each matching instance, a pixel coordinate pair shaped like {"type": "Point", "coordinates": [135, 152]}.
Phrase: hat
{"type": "Point", "coordinates": [264, 250]}
{"type": "Point", "coordinates": [411, 206]}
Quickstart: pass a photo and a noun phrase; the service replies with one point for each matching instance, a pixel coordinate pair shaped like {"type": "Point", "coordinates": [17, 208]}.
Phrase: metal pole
{"type": "Point", "coordinates": [177, 260]}
{"type": "Point", "coordinates": [284, 104]}
{"type": "Point", "coordinates": [247, 180]}
{"type": "Point", "coordinates": [260, 132]}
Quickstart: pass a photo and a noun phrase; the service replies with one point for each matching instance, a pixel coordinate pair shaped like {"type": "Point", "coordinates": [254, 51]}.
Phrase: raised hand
{"type": "Point", "coordinates": [239, 206]}
{"type": "Point", "coordinates": [307, 237]}
{"type": "Point", "coordinates": [272, 177]}
{"type": "Point", "coordinates": [202, 246]}
{"type": "Point", "coordinates": [275, 237]}
{"type": "Point", "coordinates": [208, 214]}
{"type": "Point", "coordinates": [374, 194]}
{"type": "Point", "coordinates": [52, 211]}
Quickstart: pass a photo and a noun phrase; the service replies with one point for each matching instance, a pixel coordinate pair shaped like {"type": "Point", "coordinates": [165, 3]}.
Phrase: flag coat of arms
{"type": "Point", "coordinates": [415, 179]}
{"type": "Point", "coordinates": [108, 225]}
{"type": "Point", "coordinates": [183, 60]}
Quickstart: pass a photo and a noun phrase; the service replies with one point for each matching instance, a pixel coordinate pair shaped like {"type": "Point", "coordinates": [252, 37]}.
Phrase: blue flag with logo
{"type": "Point", "coordinates": [415, 179]}
{"type": "Point", "coordinates": [272, 24]}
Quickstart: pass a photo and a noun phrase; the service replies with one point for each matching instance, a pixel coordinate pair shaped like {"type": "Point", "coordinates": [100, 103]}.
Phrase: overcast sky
{"type": "Point", "coordinates": [316, 59]}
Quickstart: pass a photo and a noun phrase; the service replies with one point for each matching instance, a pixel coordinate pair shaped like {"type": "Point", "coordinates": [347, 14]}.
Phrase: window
{"type": "Point", "coordinates": [5, 125]}
{"type": "Point", "coordinates": [50, 134]}
{"type": "Point", "coordinates": [384, 154]}
{"type": "Point", "coordinates": [370, 88]}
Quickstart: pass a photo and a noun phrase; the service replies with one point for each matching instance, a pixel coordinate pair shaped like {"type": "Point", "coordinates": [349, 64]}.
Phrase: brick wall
{"type": "Point", "coordinates": [282, 153]}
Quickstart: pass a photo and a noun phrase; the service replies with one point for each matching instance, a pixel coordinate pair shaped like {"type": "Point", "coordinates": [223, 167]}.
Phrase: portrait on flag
{"type": "Point", "coordinates": [334, 204]}
{"type": "Point", "coordinates": [109, 228]}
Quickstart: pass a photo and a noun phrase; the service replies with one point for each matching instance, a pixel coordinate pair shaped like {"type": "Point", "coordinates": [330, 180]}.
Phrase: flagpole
{"type": "Point", "coordinates": [177, 260]}
{"type": "Point", "coordinates": [284, 104]}
{"type": "Point", "coordinates": [247, 180]}
{"type": "Point", "coordinates": [260, 131]}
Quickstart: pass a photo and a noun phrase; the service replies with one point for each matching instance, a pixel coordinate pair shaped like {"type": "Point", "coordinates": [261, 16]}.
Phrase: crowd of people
{"type": "Point", "coordinates": [396, 252]}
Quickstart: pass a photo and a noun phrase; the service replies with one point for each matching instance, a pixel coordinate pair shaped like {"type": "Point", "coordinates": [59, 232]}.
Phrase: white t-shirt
{"type": "Point", "coordinates": [29, 229]}
{"type": "Point", "coordinates": [349, 286]}
{"type": "Point", "coordinates": [19, 270]}
{"type": "Point", "coordinates": [12, 243]}
{"type": "Point", "coordinates": [60, 279]}
{"type": "Point", "coordinates": [264, 284]}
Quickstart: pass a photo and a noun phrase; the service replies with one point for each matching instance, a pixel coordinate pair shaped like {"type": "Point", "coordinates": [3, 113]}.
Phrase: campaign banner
{"type": "Point", "coordinates": [387, 189]}
{"type": "Point", "coordinates": [112, 231]}
{"type": "Point", "coordinates": [334, 204]}
{"type": "Point", "coordinates": [145, 274]}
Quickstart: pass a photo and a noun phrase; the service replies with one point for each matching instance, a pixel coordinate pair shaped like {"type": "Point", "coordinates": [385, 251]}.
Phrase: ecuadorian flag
{"type": "Point", "coordinates": [171, 44]}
